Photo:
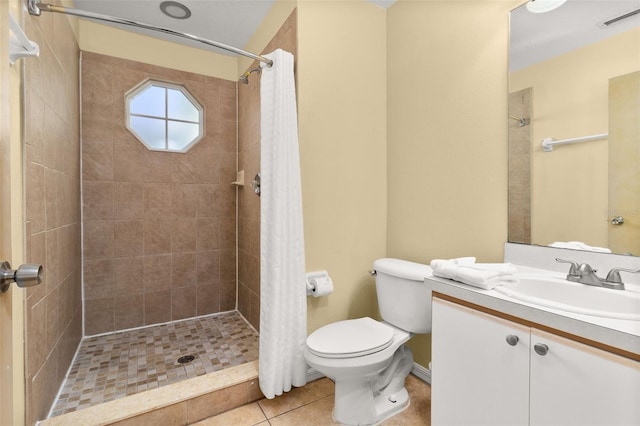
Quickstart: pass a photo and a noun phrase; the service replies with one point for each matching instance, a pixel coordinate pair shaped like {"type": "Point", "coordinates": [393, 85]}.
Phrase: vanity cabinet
{"type": "Point", "coordinates": [494, 371]}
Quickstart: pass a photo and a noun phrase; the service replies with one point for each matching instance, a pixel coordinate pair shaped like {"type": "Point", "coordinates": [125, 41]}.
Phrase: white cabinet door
{"type": "Point", "coordinates": [576, 384]}
{"type": "Point", "coordinates": [478, 378]}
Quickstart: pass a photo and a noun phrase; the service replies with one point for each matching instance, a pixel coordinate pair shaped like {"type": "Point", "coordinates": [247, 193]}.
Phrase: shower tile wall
{"type": "Point", "coordinates": [159, 228]}
{"type": "Point", "coordinates": [520, 168]}
{"type": "Point", "coordinates": [52, 209]}
{"type": "Point", "coordinates": [249, 161]}
{"type": "Point", "coordinates": [248, 201]}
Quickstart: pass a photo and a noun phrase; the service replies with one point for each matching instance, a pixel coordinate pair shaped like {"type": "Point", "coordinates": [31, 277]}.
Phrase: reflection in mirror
{"type": "Point", "coordinates": [573, 73]}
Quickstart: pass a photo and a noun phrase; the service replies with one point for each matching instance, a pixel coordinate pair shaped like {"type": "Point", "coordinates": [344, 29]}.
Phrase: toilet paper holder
{"type": "Point", "coordinates": [312, 277]}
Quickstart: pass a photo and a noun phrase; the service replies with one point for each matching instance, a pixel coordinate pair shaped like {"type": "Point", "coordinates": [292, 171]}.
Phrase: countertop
{"type": "Point", "coordinates": [614, 333]}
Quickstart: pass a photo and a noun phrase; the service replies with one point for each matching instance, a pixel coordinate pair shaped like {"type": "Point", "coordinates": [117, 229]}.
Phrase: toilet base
{"type": "Point", "coordinates": [369, 402]}
{"type": "Point", "coordinates": [385, 407]}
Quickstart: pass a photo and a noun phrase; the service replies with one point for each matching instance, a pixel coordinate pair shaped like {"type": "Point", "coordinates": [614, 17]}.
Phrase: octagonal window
{"type": "Point", "coordinates": [164, 116]}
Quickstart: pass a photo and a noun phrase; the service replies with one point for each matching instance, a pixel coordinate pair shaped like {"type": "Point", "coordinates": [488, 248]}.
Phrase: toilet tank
{"type": "Point", "coordinates": [403, 297]}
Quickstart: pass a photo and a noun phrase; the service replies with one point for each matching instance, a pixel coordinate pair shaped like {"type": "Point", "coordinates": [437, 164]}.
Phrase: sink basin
{"type": "Point", "coordinates": [575, 297]}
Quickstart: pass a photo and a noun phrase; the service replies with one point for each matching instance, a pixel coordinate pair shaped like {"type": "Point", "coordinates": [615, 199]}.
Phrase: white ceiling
{"type": "Point", "coordinates": [539, 36]}
{"type": "Point", "coordinates": [534, 37]}
{"type": "Point", "coordinates": [231, 22]}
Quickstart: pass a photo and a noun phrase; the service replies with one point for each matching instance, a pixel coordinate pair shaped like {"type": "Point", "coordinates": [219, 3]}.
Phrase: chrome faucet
{"type": "Point", "coordinates": [587, 275]}
{"type": "Point", "coordinates": [573, 274]}
{"type": "Point", "coordinates": [584, 274]}
{"type": "Point", "coordinates": [613, 277]}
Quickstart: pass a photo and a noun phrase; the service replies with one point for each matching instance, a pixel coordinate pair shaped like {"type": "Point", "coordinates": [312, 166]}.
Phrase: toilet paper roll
{"type": "Point", "coordinates": [321, 286]}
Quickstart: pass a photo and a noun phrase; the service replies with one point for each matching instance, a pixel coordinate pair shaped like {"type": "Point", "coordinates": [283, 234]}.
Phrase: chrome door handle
{"type": "Point", "coordinates": [26, 275]}
{"type": "Point", "coordinates": [618, 220]}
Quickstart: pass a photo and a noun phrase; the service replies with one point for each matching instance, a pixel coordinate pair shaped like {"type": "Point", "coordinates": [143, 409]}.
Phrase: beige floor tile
{"type": "Point", "coordinates": [247, 415]}
{"type": "Point", "coordinates": [317, 413]}
{"type": "Point", "coordinates": [297, 397]}
{"type": "Point", "coordinates": [312, 405]}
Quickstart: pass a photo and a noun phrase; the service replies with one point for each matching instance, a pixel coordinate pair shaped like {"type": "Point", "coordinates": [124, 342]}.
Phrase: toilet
{"type": "Point", "coordinates": [367, 359]}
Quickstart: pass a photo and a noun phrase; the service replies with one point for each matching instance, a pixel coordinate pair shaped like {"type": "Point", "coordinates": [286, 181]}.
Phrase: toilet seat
{"type": "Point", "coordinates": [350, 338]}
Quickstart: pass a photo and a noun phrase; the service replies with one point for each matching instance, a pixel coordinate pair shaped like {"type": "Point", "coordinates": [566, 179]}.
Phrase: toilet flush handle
{"type": "Point", "coordinates": [373, 272]}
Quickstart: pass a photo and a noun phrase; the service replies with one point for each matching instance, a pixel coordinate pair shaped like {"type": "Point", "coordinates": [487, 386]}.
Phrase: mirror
{"type": "Point", "coordinates": [574, 77]}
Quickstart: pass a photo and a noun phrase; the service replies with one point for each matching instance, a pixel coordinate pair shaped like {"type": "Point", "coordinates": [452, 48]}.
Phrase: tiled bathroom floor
{"type": "Point", "coordinates": [312, 405]}
{"type": "Point", "coordinates": [113, 366]}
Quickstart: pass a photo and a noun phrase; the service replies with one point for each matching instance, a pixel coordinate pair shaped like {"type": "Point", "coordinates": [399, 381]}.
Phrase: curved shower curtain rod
{"type": "Point", "coordinates": [35, 8]}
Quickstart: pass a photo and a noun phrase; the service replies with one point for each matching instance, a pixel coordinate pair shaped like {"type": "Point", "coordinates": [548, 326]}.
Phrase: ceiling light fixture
{"type": "Point", "coordinates": [176, 10]}
{"type": "Point", "coordinates": [542, 6]}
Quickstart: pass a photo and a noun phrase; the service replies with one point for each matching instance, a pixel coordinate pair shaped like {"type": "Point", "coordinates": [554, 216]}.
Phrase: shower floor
{"type": "Point", "coordinates": [116, 365]}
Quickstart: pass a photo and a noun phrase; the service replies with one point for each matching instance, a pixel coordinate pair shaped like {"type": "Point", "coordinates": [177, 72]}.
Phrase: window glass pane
{"type": "Point", "coordinates": [156, 109]}
{"type": "Point", "coordinates": [151, 130]}
{"type": "Point", "coordinates": [181, 108]}
{"type": "Point", "coordinates": [151, 101]}
{"type": "Point", "coordinates": [182, 134]}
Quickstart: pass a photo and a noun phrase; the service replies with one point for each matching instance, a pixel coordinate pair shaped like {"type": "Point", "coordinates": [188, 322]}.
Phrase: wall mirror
{"type": "Point", "coordinates": [574, 78]}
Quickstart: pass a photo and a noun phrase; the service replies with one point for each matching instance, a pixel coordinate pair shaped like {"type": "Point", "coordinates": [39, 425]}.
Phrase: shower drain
{"type": "Point", "coordinates": [185, 359]}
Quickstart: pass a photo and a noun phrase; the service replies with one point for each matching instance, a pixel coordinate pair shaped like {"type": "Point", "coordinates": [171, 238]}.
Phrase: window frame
{"type": "Point", "coordinates": [144, 85]}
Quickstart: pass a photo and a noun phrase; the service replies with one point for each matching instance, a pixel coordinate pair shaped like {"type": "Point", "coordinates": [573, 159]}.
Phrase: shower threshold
{"type": "Point", "coordinates": [181, 403]}
{"type": "Point", "coordinates": [116, 366]}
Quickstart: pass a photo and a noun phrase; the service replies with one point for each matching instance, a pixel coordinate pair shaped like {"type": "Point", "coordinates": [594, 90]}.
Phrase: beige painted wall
{"type": "Point", "coordinates": [570, 183]}
{"type": "Point", "coordinates": [123, 44]}
{"type": "Point", "coordinates": [447, 139]}
{"type": "Point", "coordinates": [342, 127]}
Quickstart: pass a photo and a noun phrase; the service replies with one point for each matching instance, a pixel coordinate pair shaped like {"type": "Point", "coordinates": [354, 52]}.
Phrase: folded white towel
{"type": "Point", "coordinates": [577, 245]}
{"type": "Point", "coordinates": [482, 275]}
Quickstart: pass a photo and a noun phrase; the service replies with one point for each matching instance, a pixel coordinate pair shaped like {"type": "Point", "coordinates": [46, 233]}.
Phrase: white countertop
{"type": "Point", "coordinates": [618, 333]}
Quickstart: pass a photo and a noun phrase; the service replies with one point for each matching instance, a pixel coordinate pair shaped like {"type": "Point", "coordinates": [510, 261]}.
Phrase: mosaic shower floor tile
{"type": "Point", "coordinates": [116, 365]}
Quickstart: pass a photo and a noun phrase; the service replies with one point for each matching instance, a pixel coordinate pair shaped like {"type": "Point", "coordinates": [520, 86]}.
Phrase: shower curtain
{"type": "Point", "coordinates": [283, 300]}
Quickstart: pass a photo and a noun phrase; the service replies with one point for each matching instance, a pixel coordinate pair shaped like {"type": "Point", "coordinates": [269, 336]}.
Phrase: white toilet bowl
{"type": "Point", "coordinates": [366, 358]}
{"type": "Point", "coordinates": [369, 371]}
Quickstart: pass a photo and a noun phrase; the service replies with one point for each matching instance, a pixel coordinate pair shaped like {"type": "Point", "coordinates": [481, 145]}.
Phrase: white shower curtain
{"type": "Point", "coordinates": [283, 300]}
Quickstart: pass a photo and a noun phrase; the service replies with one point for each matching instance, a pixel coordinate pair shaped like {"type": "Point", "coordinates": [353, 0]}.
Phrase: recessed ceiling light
{"type": "Point", "coordinates": [542, 6]}
{"type": "Point", "coordinates": [176, 10]}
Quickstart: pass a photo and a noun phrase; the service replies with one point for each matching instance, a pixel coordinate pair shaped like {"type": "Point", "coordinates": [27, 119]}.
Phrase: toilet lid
{"type": "Point", "coordinates": [350, 338]}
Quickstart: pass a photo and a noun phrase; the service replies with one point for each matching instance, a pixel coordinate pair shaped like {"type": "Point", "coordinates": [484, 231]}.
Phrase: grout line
{"type": "Point", "coordinates": [263, 414]}
{"type": "Point", "coordinates": [301, 406]}
{"type": "Point", "coordinates": [261, 409]}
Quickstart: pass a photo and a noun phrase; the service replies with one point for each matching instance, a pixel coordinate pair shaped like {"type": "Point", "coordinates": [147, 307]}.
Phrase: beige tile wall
{"type": "Point", "coordinates": [520, 167]}
{"type": "Point", "coordinates": [249, 161]}
{"type": "Point", "coordinates": [159, 228]}
{"type": "Point", "coordinates": [52, 211]}
{"type": "Point", "coordinates": [248, 201]}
